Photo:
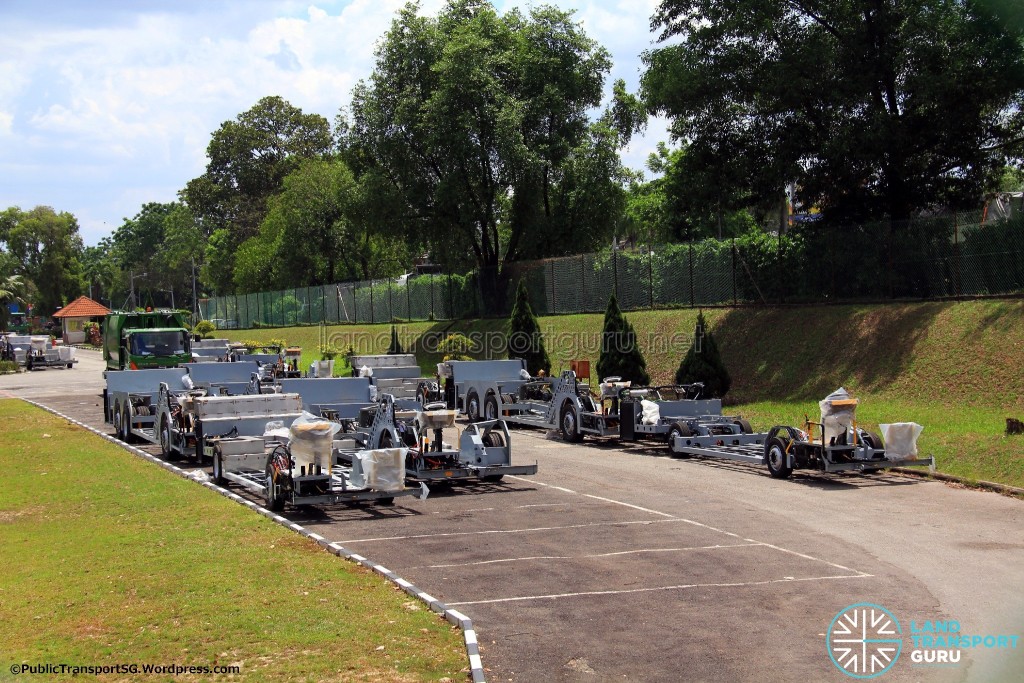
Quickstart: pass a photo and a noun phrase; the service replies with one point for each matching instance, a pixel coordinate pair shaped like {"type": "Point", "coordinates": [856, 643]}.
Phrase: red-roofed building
{"type": "Point", "coordinates": [76, 314]}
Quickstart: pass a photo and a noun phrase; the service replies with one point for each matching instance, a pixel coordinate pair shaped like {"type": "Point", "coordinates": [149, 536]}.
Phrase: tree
{"type": "Point", "coordinates": [524, 336]}
{"type": "Point", "coordinates": [48, 249]}
{"type": "Point", "coordinates": [249, 159]}
{"type": "Point", "coordinates": [314, 234]}
{"type": "Point", "coordinates": [620, 354]}
{"type": "Point", "coordinates": [11, 288]}
{"type": "Point", "coordinates": [872, 108]}
{"type": "Point", "coordinates": [703, 363]}
{"type": "Point", "coordinates": [477, 125]}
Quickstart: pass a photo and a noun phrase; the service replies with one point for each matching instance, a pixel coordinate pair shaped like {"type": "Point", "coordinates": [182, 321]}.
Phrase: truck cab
{"type": "Point", "coordinates": [144, 340]}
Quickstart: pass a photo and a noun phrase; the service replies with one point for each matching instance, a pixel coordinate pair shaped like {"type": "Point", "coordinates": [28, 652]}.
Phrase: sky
{"type": "Point", "coordinates": [110, 104]}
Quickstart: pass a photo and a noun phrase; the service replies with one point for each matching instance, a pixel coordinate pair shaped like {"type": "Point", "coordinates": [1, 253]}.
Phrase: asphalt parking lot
{"type": "Point", "coordinates": [627, 564]}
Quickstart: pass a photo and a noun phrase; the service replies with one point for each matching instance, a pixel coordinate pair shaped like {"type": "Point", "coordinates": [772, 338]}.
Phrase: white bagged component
{"type": "Point", "coordinates": [650, 412]}
{"type": "Point", "coordinates": [837, 413]}
{"type": "Point", "coordinates": [380, 470]}
{"type": "Point", "coordinates": [901, 439]}
{"type": "Point", "coordinates": [366, 371]}
{"type": "Point", "coordinates": [310, 439]}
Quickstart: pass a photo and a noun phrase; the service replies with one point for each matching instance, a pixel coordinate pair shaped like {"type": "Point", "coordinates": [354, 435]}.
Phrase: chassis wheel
{"type": "Point", "coordinates": [874, 441]}
{"type": "Point", "coordinates": [473, 407]}
{"type": "Point", "coordinates": [118, 419]}
{"type": "Point", "coordinates": [274, 501]}
{"type": "Point", "coordinates": [744, 426]}
{"type": "Point", "coordinates": [218, 468]}
{"type": "Point", "coordinates": [775, 457]}
{"type": "Point", "coordinates": [165, 440]}
{"type": "Point", "coordinates": [491, 408]}
{"type": "Point", "coordinates": [569, 425]}
{"type": "Point", "coordinates": [680, 429]}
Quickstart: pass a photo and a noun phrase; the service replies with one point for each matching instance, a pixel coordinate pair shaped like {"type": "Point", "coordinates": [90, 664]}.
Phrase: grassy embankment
{"type": "Point", "coordinates": [953, 367]}
{"type": "Point", "coordinates": [109, 560]}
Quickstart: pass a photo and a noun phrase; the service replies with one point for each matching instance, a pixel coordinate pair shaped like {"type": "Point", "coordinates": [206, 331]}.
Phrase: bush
{"type": "Point", "coordinates": [620, 354]}
{"type": "Point", "coordinates": [204, 329]}
{"type": "Point", "coordinates": [8, 367]}
{"type": "Point", "coordinates": [455, 347]}
{"type": "Point", "coordinates": [524, 338]}
{"type": "Point", "coordinates": [703, 363]}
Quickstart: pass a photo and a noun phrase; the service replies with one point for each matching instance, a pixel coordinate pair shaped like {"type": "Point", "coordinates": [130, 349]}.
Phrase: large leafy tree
{"type": "Point", "coordinates": [477, 125]}
{"type": "Point", "coordinates": [248, 161]}
{"type": "Point", "coordinates": [874, 108]}
{"type": "Point", "coordinates": [313, 234]}
{"type": "Point", "coordinates": [47, 248]}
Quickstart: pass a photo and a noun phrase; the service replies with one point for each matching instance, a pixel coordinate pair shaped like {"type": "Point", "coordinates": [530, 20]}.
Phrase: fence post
{"type": "Point", "coordinates": [734, 299]}
{"type": "Point", "coordinates": [408, 297]}
{"type": "Point", "coordinates": [431, 296]}
{"type": "Point", "coordinates": [391, 302]}
{"type": "Point", "coordinates": [554, 300]}
{"type": "Point", "coordinates": [692, 297]}
{"type": "Point", "coordinates": [956, 256]}
{"type": "Point", "coordinates": [323, 303]}
{"type": "Point", "coordinates": [371, 302]}
{"type": "Point", "coordinates": [451, 298]}
{"type": "Point", "coordinates": [650, 272]}
{"type": "Point", "coordinates": [615, 272]}
{"type": "Point", "coordinates": [355, 302]}
{"type": "Point", "coordinates": [583, 281]}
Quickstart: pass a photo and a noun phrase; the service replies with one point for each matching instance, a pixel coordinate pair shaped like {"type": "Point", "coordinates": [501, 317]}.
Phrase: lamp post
{"type": "Point", "coordinates": [131, 283]}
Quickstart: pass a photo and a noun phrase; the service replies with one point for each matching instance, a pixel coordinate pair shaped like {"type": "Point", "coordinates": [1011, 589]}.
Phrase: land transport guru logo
{"type": "Point", "coordinates": [864, 640]}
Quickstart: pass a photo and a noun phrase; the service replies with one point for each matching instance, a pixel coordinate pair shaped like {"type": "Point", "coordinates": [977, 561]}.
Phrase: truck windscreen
{"type": "Point", "coordinates": [157, 344]}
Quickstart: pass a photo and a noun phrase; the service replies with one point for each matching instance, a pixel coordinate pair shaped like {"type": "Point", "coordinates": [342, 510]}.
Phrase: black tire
{"type": "Point", "coordinates": [744, 426]}
{"type": "Point", "coordinates": [126, 423]}
{"type": "Point", "coordinates": [568, 424]}
{"type": "Point", "coordinates": [678, 429]}
{"type": "Point", "coordinates": [775, 458]}
{"type": "Point", "coordinates": [118, 420]}
{"type": "Point", "coordinates": [472, 407]}
{"type": "Point", "coordinates": [491, 408]}
{"type": "Point", "coordinates": [494, 439]}
{"type": "Point", "coordinates": [273, 502]}
{"type": "Point", "coordinates": [164, 434]}
{"type": "Point", "coordinates": [218, 468]}
{"type": "Point", "coordinates": [493, 478]}
{"type": "Point", "coordinates": [386, 441]}
{"type": "Point", "coordinates": [386, 501]}
{"type": "Point", "coordinates": [874, 441]}
{"type": "Point", "coordinates": [70, 365]}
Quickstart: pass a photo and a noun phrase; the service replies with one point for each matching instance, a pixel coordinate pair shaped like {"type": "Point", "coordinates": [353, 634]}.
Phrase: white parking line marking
{"type": "Point", "coordinates": [509, 531]}
{"type": "Point", "coordinates": [544, 505]}
{"type": "Point", "coordinates": [699, 524]}
{"type": "Point", "coordinates": [581, 557]}
{"type": "Point", "coordinates": [556, 596]}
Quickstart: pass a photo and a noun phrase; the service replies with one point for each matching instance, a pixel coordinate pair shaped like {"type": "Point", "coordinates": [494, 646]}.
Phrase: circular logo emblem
{"type": "Point", "coordinates": [864, 640]}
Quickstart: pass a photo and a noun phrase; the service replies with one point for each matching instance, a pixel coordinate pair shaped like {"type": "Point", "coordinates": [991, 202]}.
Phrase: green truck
{"type": "Point", "coordinates": [149, 339]}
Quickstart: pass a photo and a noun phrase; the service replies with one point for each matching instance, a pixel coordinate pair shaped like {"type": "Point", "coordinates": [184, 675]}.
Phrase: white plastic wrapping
{"type": "Point", "coordinates": [366, 371]}
{"type": "Point", "coordinates": [836, 419]}
{"type": "Point", "coordinates": [901, 439]}
{"type": "Point", "coordinates": [650, 412]}
{"type": "Point", "coordinates": [310, 439]}
{"type": "Point", "coordinates": [380, 470]}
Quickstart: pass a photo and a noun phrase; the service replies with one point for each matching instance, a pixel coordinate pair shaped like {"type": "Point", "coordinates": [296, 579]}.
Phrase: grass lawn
{"type": "Point", "coordinates": [954, 367]}
{"type": "Point", "coordinates": [110, 560]}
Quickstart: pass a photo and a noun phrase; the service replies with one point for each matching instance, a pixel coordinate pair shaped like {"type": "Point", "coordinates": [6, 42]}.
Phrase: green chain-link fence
{"type": "Point", "coordinates": [947, 256]}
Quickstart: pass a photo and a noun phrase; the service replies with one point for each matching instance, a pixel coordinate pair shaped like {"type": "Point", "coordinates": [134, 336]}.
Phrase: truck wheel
{"type": "Point", "coordinates": [491, 408]}
{"type": "Point", "coordinates": [126, 423]}
{"type": "Point", "coordinates": [473, 407]}
{"type": "Point", "coordinates": [680, 429]}
{"type": "Point", "coordinates": [117, 422]}
{"type": "Point", "coordinates": [569, 426]}
{"type": "Point", "coordinates": [200, 443]}
{"type": "Point", "coordinates": [165, 440]}
{"type": "Point", "coordinates": [493, 478]}
{"type": "Point", "coordinates": [874, 441]}
{"type": "Point", "coordinates": [744, 426]}
{"type": "Point", "coordinates": [218, 468]}
{"type": "Point", "coordinates": [386, 501]}
{"type": "Point", "coordinates": [775, 457]}
{"type": "Point", "coordinates": [273, 501]}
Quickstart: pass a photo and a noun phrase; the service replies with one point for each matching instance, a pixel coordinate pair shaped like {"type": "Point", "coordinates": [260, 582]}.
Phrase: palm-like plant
{"type": "Point", "coordinates": [11, 288]}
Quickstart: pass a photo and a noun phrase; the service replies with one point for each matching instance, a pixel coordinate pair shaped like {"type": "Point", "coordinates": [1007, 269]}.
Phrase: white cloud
{"type": "Point", "coordinates": [102, 116]}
